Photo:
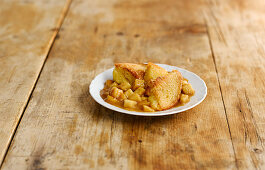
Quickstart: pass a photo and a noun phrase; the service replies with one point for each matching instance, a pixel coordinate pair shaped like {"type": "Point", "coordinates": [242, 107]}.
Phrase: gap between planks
{"type": "Point", "coordinates": [49, 47]}
{"type": "Point", "coordinates": [220, 88]}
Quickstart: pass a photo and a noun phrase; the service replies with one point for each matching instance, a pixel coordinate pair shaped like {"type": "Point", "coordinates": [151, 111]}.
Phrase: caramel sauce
{"type": "Point", "coordinates": [105, 92]}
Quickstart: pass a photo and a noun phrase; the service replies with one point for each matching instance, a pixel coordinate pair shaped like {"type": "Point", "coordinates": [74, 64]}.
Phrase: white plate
{"type": "Point", "coordinates": [197, 83]}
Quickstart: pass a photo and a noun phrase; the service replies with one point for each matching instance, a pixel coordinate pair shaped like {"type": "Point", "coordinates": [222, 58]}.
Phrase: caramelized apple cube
{"type": "Point", "coordinates": [125, 86]}
{"type": "Point", "coordinates": [144, 102]}
{"type": "Point", "coordinates": [114, 84]}
{"type": "Point", "coordinates": [187, 89]}
{"type": "Point", "coordinates": [135, 97]}
{"type": "Point", "coordinates": [140, 91]}
{"type": "Point", "coordinates": [128, 93]}
{"type": "Point", "coordinates": [184, 98]}
{"type": "Point", "coordinates": [115, 92]}
{"type": "Point", "coordinates": [130, 103]}
{"type": "Point", "coordinates": [111, 99]}
{"type": "Point", "coordinates": [184, 82]}
{"type": "Point", "coordinates": [148, 109]}
{"type": "Point", "coordinates": [122, 97]}
{"type": "Point", "coordinates": [138, 83]}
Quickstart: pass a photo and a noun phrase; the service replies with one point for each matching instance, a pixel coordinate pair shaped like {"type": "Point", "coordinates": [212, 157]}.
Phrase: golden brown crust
{"type": "Point", "coordinates": [161, 83]}
{"type": "Point", "coordinates": [158, 67]}
{"type": "Point", "coordinates": [137, 70]}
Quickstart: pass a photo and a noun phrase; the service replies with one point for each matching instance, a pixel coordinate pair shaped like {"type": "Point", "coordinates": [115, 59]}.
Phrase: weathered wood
{"type": "Point", "coordinates": [64, 128]}
{"type": "Point", "coordinates": [237, 33]}
{"type": "Point", "coordinates": [27, 30]}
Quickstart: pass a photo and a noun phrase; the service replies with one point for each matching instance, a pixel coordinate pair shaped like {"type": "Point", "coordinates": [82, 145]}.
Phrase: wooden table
{"type": "Point", "coordinates": [51, 50]}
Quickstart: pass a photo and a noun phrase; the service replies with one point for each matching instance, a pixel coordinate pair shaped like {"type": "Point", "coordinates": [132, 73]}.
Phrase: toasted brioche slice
{"type": "Point", "coordinates": [165, 91]}
{"type": "Point", "coordinates": [153, 71]}
{"type": "Point", "coordinates": [128, 72]}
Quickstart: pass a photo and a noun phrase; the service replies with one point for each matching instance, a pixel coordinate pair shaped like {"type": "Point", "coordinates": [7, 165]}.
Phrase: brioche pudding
{"type": "Point", "coordinates": [146, 87]}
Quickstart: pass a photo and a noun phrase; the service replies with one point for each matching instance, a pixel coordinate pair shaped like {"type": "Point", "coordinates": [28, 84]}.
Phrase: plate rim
{"type": "Point", "coordinates": [159, 113]}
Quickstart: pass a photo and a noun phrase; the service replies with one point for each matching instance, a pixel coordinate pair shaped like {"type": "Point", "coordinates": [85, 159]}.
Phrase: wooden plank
{"type": "Point", "coordinates": [27, 31]}
{"type": "Point", "coordinates": [64, 128]}
{"type": "Point", "coordinates": [237, 35]}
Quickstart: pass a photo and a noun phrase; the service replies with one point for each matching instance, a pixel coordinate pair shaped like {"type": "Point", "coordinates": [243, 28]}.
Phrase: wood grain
{"type": "Point", "coordinates": [237, 36]}
{"type": "Point", "coordinates": [64, 128]}
{"type": "Point", "coordinates": [27, 30]}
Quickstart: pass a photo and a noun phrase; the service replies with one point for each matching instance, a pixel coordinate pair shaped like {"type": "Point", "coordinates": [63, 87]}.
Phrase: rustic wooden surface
{"type": "Point", "coordinates": [27, 31]}
{"type": "Point", "coordinates": [237, 34]}
{"type": "Point", "coordinates": [64, 128]}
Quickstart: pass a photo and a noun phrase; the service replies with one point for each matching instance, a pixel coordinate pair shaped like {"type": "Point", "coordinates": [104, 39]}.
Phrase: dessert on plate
{"type": "Point", "coordinates": [146, 87]}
